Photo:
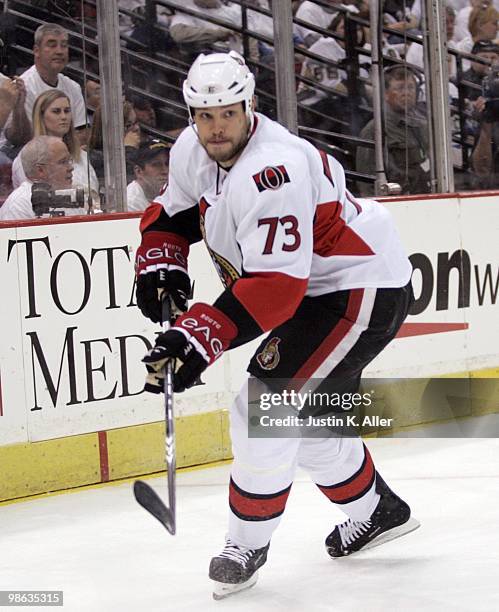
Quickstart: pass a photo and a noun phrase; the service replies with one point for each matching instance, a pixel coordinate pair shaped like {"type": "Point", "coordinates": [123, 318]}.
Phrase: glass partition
{"type": "Point", "coordinates": [334, 85]}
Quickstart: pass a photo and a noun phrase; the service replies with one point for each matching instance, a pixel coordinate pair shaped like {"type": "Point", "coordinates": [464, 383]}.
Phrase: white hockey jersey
{"type": "Point", "coordinates": [281, 221]}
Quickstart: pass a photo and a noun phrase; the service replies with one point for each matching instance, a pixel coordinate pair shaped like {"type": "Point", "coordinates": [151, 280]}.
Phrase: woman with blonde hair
{"type": "Point", "coordinates": [52, 116]}
{"type": "Point", "coordinates": [482, 25]}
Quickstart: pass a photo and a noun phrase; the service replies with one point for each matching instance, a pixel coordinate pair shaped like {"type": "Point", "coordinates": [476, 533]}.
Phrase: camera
{"type": "Point", "coordinates": [490, 91]}
{"type": "Point", "coordinates": [43, 199]}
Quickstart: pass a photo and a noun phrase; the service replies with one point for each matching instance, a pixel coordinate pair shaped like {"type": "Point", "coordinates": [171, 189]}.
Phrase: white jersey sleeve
{"type": "Point", "coordinates": [183, 191]}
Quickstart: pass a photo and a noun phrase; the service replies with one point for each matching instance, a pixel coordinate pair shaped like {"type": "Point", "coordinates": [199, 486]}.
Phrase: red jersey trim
{"type": "Point", "coordinates": [333, 237]}
{"type": "Point", "coordinates": [270, 297]}
{"type": "Point", "coordinates": [150, 215]}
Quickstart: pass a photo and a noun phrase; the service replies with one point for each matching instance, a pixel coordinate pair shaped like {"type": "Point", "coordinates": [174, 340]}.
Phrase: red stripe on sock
{"type": "Point", "coordinates": [258, 506]}
{"type": "Point", "coordinates": [352, 489]}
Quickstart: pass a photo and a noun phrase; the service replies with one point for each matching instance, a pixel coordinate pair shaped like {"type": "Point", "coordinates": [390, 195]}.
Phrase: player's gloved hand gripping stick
{"type": "Point", "coordinates": [144, 494]}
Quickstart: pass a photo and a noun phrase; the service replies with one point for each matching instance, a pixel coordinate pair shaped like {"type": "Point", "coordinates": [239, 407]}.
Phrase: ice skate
{"type": "Point", "coordinates": [391, 519]}
{"type": "Point", "coordinates": [235, 569]}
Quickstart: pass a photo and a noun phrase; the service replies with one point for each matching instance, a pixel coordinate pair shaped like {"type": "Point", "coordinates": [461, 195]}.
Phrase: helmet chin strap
{"type": "Point", "coordinates": [193, 126]}
{"type": "Point", "coordinates": [251, 116]}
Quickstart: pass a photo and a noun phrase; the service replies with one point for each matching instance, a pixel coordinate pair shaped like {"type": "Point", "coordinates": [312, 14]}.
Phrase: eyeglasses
{"type": "Point", "coordinates": [67, 161]}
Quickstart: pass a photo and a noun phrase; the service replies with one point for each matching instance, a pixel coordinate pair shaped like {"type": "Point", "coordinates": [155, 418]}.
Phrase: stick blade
{"type": "Point", "coordinates": [150, 500]}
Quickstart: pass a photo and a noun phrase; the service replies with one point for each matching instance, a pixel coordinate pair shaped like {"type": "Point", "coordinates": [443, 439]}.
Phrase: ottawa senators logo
{"type": "Point", "coordinates": [271, 177]}
{"type": "Point", "coordinates": [269, 357]}
{"type": "Point", "coordinates": [226, 271]}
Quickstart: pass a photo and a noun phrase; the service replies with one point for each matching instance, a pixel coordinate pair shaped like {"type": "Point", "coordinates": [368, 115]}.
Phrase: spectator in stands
{"type": "Point", "coordinates": [132, 137]}
{"type": "Point", "coordinates": [45, 159]}
{"type": "Point", "coordinates": [12, 98]}
{"type": "Point", "coordinates": [464, 8]}
{"type": "Point", "coordinates": [402, 16]}
{"type": "Point", "coordinates": [363, 8]}
{"type": "Point", "coordinates": [485, 156]}
{"type": "Point", "coordinates": [52, 116]}
{"type": "Point", "coordinates": [145, 112]}
{"type": "Point", "coordinates": [192, 34]}
{"type": "Point", "coordinates": [471, 85]}
{"type": "Point", "coordinates": [406, 136]}
{"type": "Point", "coordinates": [482, 25]}
{"type": "Point", "coordinates": [457, 5]}
{"type": "Point", "coordinates": [51, 57]}
{"type": "Point", "coordinates": [92, 95]}
{"type": "Point", "coordinates": [488, 51]}
{"type": "Point", "coordinates": [388, 50]}
{"type": "Point", "coordinates": [296, 5]}
{"type": "Point", "coordinates": [317, 15]}
{"type": "Point", "coordinates": [414, 53]}
{"type": "Point", "coordinates": [333, 76]}
{"type": "Point", "coordinates": [151, 174]}
{"type": "Point", "coordinates": [264, 25]}
{"type": "Point", "coordinates": [147, 116]}
{"type": "Point", "coordinates": [125, 20]}
{"type": "Point", "coordinates": [128, 22]}
{"type": "Point", "coordinates": [415, 57]}
{"type": "Point", "coordinates": [12, 95]}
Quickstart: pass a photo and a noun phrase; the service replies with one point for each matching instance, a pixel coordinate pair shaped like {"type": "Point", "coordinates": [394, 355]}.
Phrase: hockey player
{"type": "Point", "coordinates": [300, 258]}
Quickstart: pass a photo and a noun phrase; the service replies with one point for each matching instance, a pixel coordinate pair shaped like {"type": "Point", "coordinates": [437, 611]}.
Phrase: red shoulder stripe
{"type": "Point", "coordinates": [150, 215]}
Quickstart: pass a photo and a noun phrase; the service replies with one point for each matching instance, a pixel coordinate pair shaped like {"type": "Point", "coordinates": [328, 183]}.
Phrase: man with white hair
{"type": "Point", "coordinates": [301, 259]}
{"type": "Point", "coordinates": [45, 159]}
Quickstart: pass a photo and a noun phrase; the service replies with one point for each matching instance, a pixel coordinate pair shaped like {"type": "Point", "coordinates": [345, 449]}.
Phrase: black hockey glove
{"type": "Point", "coordinates": [161, 265]}
{"type": "Point", "coordinates": [198, 338]}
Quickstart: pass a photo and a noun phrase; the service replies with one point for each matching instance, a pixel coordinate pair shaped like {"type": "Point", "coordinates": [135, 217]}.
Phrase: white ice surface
{"type": "Point", "coordinates": [107, 554]}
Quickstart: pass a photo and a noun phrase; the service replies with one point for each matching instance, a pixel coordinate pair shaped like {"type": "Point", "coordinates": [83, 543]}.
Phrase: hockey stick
{"type": "Point", "coordinates": [144, 494]}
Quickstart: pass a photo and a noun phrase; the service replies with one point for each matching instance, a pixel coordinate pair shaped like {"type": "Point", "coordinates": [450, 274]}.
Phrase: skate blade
{"type": "Point", "coordinates": [397, 532]}
{"type": "Point", "coordinates": [221, 590]}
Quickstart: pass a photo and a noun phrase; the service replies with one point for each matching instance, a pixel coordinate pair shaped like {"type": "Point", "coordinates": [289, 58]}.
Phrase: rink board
{"type": "Point", "coordinates": [72, 411]}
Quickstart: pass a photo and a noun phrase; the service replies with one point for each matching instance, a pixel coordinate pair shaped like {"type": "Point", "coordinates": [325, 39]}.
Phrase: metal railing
{"type": "Point", "coordinates": [156, 73]}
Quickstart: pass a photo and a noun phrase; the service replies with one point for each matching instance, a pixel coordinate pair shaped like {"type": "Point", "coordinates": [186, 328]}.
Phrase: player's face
{"type": "Point", "coordinates": [223, 131]}
{"type": "Point", "coordinates": [52, 53]}
{"type": "Point", "coordinates": [57, 117]}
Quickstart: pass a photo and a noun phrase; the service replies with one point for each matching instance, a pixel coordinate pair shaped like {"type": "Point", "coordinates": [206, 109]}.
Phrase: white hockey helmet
{"type": "Point", "coordinates": [219, 79]}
